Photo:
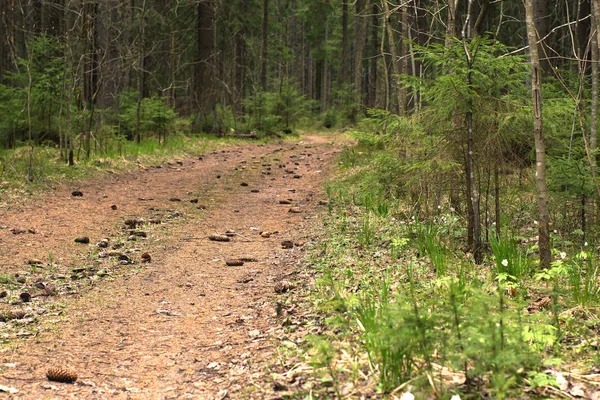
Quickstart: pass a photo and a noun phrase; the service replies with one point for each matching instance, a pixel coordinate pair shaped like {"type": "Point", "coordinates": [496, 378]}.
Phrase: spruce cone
{"type": "Point", "coordinates": [61, 375]}
{"type": "Point", "coordinates": [219, 238]}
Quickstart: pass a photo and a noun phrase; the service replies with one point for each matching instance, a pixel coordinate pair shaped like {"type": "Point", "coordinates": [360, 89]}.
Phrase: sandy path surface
{"type": "Point", "coordinates": [184, 325]}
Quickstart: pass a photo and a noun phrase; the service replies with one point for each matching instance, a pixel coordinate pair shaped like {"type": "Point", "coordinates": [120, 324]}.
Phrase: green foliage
{"type": "Point", "coordinates": [13, 122]}
{"type": "Point", "coordinates": [429, 242]}
{"type": "Point", "coordinates": [493, 322]}
{"type": "Point", "coordinates": [275, 112]}
{"type": "Point", "coordinates": [584, 279]}
{"type": "Point", "coordinates": [7, 279]}
{"type": "Point", "coordinates": [510, 258]}
{"type": "Point", "coordinates": [42, 75]}
{"type": "Point", "coordinates": [407, 322]}
{"type": "Point", "coordinates": [155, 118]}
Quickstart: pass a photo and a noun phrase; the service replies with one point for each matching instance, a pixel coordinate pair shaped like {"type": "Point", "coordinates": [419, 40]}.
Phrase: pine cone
{"type": "Point", "coordinates": [61, 375]}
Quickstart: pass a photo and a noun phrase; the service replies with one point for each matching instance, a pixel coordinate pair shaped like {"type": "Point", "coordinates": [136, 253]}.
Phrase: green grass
{"type": "Point", "coordinates": [45, 168]}
{"type": "Point", "coordinates": [405, 298]}
{"type": "Point", "coordinates": [7, 279]}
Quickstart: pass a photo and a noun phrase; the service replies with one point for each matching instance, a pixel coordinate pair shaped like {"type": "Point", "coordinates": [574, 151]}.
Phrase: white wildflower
{"type": "Point", "coordinates": [407, 396]}
{"type": "Point", "coordinates": [505, 262]}
{"type": "Point", "coordinates": [455, 397]}
{"type": "Point", "coordinates": [585, 244]}
{"type": "Point", "coordinates": [563, 255]}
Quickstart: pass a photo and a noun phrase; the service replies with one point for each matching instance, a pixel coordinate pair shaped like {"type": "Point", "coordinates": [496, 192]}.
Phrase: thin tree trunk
{"type": "Point", "coordinates": [324, 81]}
{"type": "Point", "coordinates": [345, 43]}
{"type": "Point", "coordinates": [497, 199]}
{"type": "Point", "coordinates": [141, 74]}
{"type": "Point", "coordinates": [474, 193]}
{"type": "Point", "coordinates": [451, 22]}
{"type": "Point", "coordinates": [469, 198]}
{"type": "Point", "coordinates": [204, 85]}
{"type": "Point", "coordinates": [359, 42]}
{"type": "Point", "coordinates": [265, 45]}
{"type": "Point", "coordinates": [372, 87]}
{"type": "Point", "coordinates": [485, 5]}
{"type": "Point", "coordinates": [540, 148]}
{"type": "Point", "coordinates": [294, 42]}
{"type": "Point", "coordinates": [595, 42]}
{"type": "Point", "coordinates": [309, 72]}
{"type": "Point", "coordinates": [593, 142]}
{"type": "Point", "coordinates": [29, 132]}
{"type": "Point", "coordinates": [386, 73]}
{"type": "Point", "coordinates": [405, 53]}
{"type": "Point", "coordinates": [395, 59]}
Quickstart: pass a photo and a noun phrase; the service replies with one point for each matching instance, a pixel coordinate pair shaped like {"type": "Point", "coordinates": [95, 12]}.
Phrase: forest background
{"type": "Point", "coordinates": [451, 141]}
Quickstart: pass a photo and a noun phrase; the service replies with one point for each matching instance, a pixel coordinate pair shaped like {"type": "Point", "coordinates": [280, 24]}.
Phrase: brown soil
{"type": "Point", "coordinates": [184, 325]}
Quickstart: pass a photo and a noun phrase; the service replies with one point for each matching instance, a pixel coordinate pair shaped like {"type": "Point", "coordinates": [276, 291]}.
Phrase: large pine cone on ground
{"type": "Point", "coordinates": [61, 375]}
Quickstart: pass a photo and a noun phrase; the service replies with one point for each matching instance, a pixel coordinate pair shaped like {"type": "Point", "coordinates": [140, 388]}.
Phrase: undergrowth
{"type": "Point", "coordinates": [413, 310]}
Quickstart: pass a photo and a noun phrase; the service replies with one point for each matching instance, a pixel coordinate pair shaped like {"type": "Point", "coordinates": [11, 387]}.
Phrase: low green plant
{"type": "Point", "coordinates": [151, 116]}
{"type": "Point", "coordinates": [430, 243]}
{"type": "Point", "coordinates": [366, 232]}
{"type": "Point", "coordinates": [510, 257]}
{"type": "Point", "coordinates": [7, 279]}
{"type": "Point", "coordinates": [584, 279]}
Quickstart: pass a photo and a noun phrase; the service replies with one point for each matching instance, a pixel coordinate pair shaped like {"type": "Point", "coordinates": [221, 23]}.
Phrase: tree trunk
{"type": "Point", "coordinates": [583, 29]}
{"type": "Point", "coordinates": [141, 84]}
{"type": "Point", "coordinates": [451, 22]}
{"type": "Point", "coordinates": [309, 72]}
{"type": "Point", "coordinates": [478, 27]}
{"type": "Point", "coordinates": [542, 24]}
{"type": "Point", "coordinates": [295, 74]}
{"type": "Point", "coordinates": [470, 166]}
{"type": "Point", "coordinates": [497, 199]}
{"type": "Point", "coordinates": [265, 46]}
{"type": "Point", "coordinates": [540, 148]}
{"type": "Point", "coordinates": [372, 87]}
{"type": "Point", "coordinates": [404, 95]}
{"type": "Point", "coordinates": [395, 59]}
{"type": "Point", "coordinates": [7, 37]}
{"type": "Point", "coordinates": [324, 73]}
{"type": "Point", "coordinates": [204, 91]}
{"type": "Point", "coordinates": [90, 81]}
{"type": "Point", "coordinates": [595, 80]}
{"type": "Point", "coordinates": [359, 42]}
{"type": "Point", "coordinates": [345, 43]}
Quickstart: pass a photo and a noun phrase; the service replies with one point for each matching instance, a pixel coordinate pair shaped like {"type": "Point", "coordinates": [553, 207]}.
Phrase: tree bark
{"type": "Point", "coordinates": [404, 94]}
{"type": "Point", "coordinates": [451, 22]}
{"type": "Point", "coordinates": [372, 87]}
{"type": "Point", "coordinates": [542, 24]}
{"type": "Point", "coordinates": [205, 93]}
{"type": "Point", "coordinates": [540, 148]}
{"type": "Point", "coordinates": [345, 68]}
{"type": "Point", "coordinates": [595, 81]}
{"type": "Point", "coordinates": [359, 42]}
{"type": "Point", "coordinates": [477, 28]}
{"type": "Point", "coordinates": [295, 74]}
{"type": "Point", "coordinates": [324, 74]}
{"type": "Point", "coordinates": [470, 165]}
{"type": "Point", "coordinates": [265, 46]}
{"type": "Point", "coordinates": [396, 68]}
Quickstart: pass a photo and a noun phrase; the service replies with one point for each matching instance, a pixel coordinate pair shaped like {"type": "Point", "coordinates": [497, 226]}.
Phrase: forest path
{"type": "Point", "coordinates": [184, 325]}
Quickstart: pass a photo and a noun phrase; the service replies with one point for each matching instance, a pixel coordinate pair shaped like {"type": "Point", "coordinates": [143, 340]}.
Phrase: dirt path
{"type": "Point", "coordinates": [184, 325]}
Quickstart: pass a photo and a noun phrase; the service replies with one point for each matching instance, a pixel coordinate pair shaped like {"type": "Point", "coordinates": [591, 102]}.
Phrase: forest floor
{"type": "Point", "coordinates": [185, 324]}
